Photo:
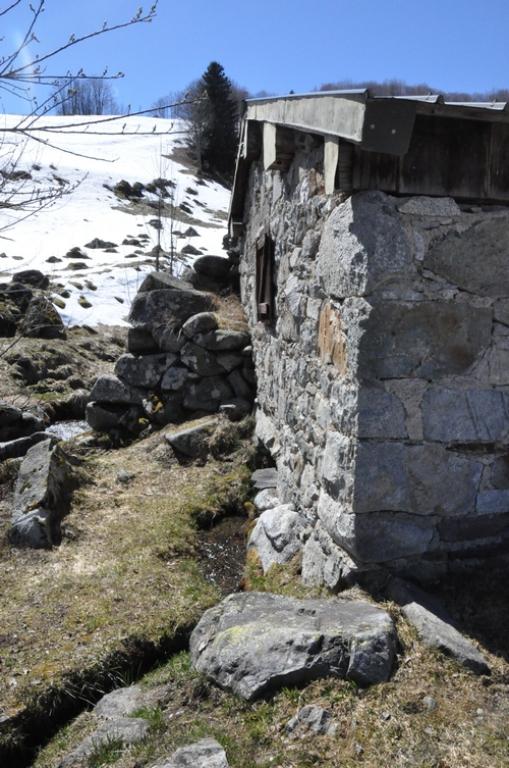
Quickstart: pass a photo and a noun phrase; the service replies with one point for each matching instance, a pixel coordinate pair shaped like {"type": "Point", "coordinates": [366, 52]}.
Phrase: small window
{"type": "Point", "coordinates": [266, 282]}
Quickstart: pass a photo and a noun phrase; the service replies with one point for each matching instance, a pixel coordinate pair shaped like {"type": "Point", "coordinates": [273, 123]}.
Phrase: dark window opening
{"type": "Point", "coordinates": [266, 282]}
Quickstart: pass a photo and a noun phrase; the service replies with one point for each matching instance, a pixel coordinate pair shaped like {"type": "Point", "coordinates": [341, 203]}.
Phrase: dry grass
{"type": "Point", "coordinates": [432, 714]}
{"type": "Point", "coordinates": [125, 570]}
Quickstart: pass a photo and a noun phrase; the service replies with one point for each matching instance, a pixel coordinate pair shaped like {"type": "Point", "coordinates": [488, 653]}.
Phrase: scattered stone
{"type": "Point", "coordinates": [193, 441]}
{"type": "Point", "coordinates": [84, 302]}
{"type": "Point", "coordinates": [53, 260]}
{"type": "Point", "coordinates": [75, 266]}
{"type": "Point", "coordinates": [191, 232]}
{"type": "Point", "coordinates": [206, 753]}
{"type": "Point", "coordinates": [434, 626]}
{"type": "Point", "coordinates": [429, 703]}
{"type": "Point", "coordinates": [276, 536]}
{"type": "Point", "coordinates": [124, 477]}
{"type": "Point", "coordinates": [256, 643]}
{"type": "Point", "coordinates": [32, 277]}
{"type": "Point", "coordinates": [436, 633]}
{"type": "Point", "coordinates": [41, 497]}
{"type": "Point", "coordinates": [127, 730]}
{"type": "Point", "coordinates": [76, 253]}
{"type": "Point", "coordinates": [98, 243]}
{"type": "Point", "coordinates": [311, 720]}
{"type": "Point", "coordinates": [42, 320]}
{"type": "Point", "coordinates": [190, 250]}
{"type": "Point", "coordinates": [124, 702]}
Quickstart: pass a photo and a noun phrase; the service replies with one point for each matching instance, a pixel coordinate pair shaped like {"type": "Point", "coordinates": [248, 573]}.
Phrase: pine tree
{"type": "Point", "coordinates": [220, 139]}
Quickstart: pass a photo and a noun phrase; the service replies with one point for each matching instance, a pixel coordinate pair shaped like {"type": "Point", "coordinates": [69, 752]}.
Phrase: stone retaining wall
{"type": "Point", "coordinates": [186, 358]}
{"type": "Point", "coordinates": [383, 384]}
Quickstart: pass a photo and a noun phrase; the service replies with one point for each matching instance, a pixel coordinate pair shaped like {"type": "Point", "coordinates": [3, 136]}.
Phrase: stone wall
{"type": "Point", "coordinates": [383, 385]}
{"type": "Point", "coordinates": [188, 355]}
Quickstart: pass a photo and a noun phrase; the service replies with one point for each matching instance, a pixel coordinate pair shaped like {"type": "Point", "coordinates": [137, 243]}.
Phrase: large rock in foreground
{"type": "Point", "coordinates": [256, 643]}
{"type": "Point", "coordinates": [42, 497]}
{"type": "Point", "coordinates": [206, 753]}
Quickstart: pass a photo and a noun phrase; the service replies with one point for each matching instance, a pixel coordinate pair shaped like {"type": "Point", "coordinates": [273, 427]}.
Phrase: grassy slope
{"type": "Point", "coordinates": [126, 570]}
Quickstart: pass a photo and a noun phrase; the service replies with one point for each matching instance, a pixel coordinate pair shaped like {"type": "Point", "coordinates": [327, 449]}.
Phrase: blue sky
{"type": "Point", "coordinates": [278, 45]}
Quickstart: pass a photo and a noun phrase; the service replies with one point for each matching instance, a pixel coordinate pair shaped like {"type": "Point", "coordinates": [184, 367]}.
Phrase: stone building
{"type": "Point", "coordinates": [373, 236]}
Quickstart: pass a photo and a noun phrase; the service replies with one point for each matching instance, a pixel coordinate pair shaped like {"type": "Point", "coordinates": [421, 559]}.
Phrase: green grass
{"type": "Point", "coordinates": [130, 576]}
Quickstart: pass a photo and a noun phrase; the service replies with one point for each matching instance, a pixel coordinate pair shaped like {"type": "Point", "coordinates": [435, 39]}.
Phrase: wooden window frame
{"type": "Point", "coordinates": [266, 282]}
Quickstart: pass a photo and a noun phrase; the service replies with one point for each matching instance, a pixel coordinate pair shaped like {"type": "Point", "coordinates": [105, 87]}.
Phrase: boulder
{"type": "Point", "coordinates": [168, 306]}
{"type": "Point", "coordinates": [31, 277]}
{"type": "Point", "coordinates": [140, 341]}
{"type": "Point", "coordinates": [19, 294]}
{"type": "Point", "coordinates": [436, 633]}
{"type": "Point", "coordinates": [192, 441]}
{"type": "Point", "coordinates": [239, 385]}
{"type": "Point", "coordinates": [200, 360]}
{"type": "Point", "coordinates": [229, 360]}
{"type": "Point", "coordinates": [207, 394]}
{"type": "Point", "coordinates": [42, 496]}
{"type": "Point", "coordinates": [146, 371]}
{"type": "Point", "coordinates": [19, 447]}
{"type": "Point", "coordinates": [174, 378]}
{"type": "Point", "coordinates": [17, 423]}
{"type": "Point", "coordinates": [109, 389]}
{"type": "Point", "coordinates": [161, 281]}
{"type": "Point", "coordinates": [207, 753]}
{"type": "Point", "coordinates": [7, 320]}
{"type": "Point", "coordinates": [216, 267]}
{"type": "Point", "coordinates": [42, 320]}
{"type": "Point", "coordinates": [168, 338]}
{"type": "Point", "coordinates": [254, 644]}
{"type": "Point", "coordinates": [275, 537]}
{"type": "Point", "coordinates": [222, 340]}
{"type": "Point", "coordinates": [200, 323]}
{"type": "Point", "coordinates": [104, 417]}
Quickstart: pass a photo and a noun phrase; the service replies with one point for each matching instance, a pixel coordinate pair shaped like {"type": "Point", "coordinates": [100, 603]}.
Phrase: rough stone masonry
{"type": "Point", "coordinates": [383, 381]}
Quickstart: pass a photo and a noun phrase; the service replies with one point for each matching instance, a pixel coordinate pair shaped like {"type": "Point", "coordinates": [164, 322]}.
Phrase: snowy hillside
{"type": "Point", "coordinates": [107, 281]}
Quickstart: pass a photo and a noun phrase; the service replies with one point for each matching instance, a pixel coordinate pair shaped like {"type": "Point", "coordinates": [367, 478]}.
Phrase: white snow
{"type": "Point", "coordinates": [110, 280]}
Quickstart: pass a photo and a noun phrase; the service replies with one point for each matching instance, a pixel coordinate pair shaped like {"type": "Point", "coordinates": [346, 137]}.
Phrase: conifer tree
{"type": "Point", "coordinates": [219, 141]}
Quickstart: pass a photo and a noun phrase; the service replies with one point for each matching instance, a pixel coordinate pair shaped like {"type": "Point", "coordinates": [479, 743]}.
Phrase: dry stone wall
{"type": "Point", "coordinates": [186, 358]}
{"type": "Point", "coordinates": [383, 384]}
